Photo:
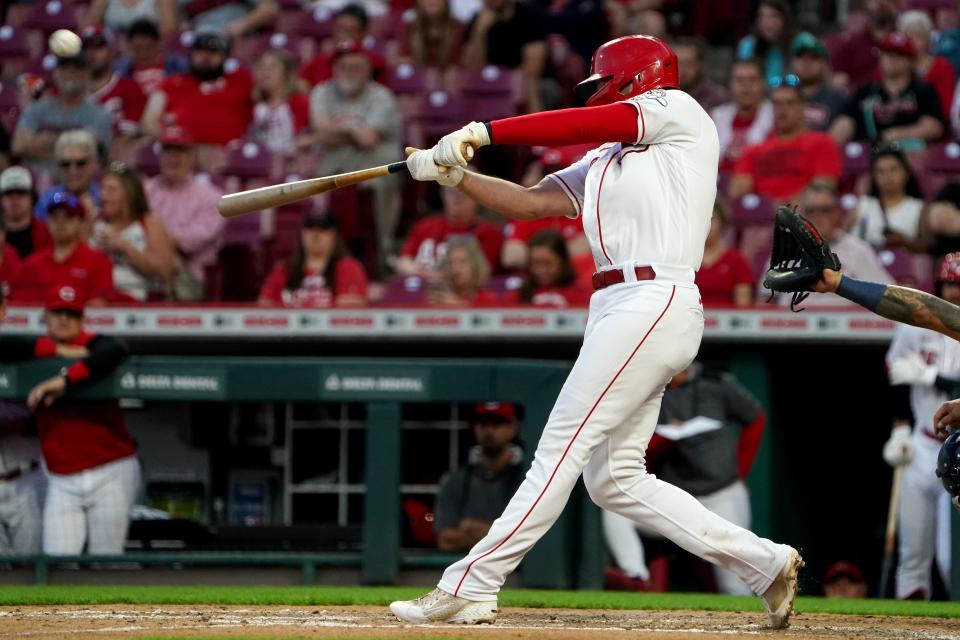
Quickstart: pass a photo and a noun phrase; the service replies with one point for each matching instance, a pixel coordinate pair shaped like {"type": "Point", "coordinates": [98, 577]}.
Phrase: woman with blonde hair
{"type": "Point", "coordinates": [138, 245]}
{"type": "Point", "coordinates": [433, 38]}
{"type": "Point", "coordinates": [281, 111]}
{"type": "Point", "coordinates": [464, 273]}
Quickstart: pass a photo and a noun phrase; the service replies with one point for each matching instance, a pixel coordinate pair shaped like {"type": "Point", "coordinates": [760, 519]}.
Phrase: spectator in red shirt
{"type": "Point", "coordinates": [281, 111]}
{"type": "Point", "coordinates": [426, 245]}
{"type": "Point", "coordinates": [550, 280]}
{"type": "Point", "coordinates": [465, 273]}
{"type": "Point", "coordinates": [319, 274]}
{"type": "Point", "coordinates": [212, 103]}
{"type": "Point", "coordinates": [934, 70]}
{"type": "Point", "coordinates": [68, 262]}
{"type": "Point", "coordinates": [25, 233]}
{"type": "Point", "coordinates": [147, 64]}
{"type": "Point", "coordinates": [783, 165]}
{"type": "Point", "coordinates": [91, 458]}
{"type": "Point", "coordinates": [725, 277]}
{"type": "Point", "coordinates": [434, 38]}
{"type": "Point", "coordinates": [350, 24]}
{"type": "Point", "coordinates": [120, 96]}
{"type": "Point", "coordinates": [748, 118]}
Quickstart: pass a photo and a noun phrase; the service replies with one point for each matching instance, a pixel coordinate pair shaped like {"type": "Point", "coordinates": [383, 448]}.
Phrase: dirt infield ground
{"type": "Point", "coordinates": [116, 621]}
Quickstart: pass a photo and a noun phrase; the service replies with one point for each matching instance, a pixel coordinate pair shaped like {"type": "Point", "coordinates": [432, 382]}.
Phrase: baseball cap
{"type": "Point", "coordinates": [15, 179]}
{"type": "Point", "coordinates": [842, 569]}
{"type": "Point", "coordinates": [211, 39]}
{"type": "Point", "coordinates": [503, 410]}
{"type": "Point", "coordinates": [899, 43]}
{"type": "Point", "coordinates": [68, 202]}
{"type": "Point", "coordinates": [96, 36]}
{"type": "Point", "coordinates": [808, 43]}
{"type": "Point", "coordinates": [65, 298]}
{"type": "Point", "coordinates": [320, 220]}
{"type": "Point", "coordinates": [176, 136]}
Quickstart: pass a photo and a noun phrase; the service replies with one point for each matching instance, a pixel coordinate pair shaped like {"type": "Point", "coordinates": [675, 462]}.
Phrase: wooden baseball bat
{"type": "Point", "coordinates": [889, 541]}
{"type": "Point", "coordinates": [276, 195]}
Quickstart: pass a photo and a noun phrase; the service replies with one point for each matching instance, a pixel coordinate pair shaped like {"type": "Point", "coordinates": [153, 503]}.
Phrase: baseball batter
{"type": "Point", "coordinates": [646, 195]}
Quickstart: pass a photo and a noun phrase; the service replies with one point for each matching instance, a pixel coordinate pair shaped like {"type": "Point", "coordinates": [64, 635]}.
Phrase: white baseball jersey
{"type": "Point", "coordinates": [650, 202]}
{"type": "Point", "coordinates": [935, 349]}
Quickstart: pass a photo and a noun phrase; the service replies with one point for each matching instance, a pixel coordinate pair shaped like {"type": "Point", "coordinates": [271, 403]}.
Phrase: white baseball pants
{"type": "Point", "coordinates": [640, 334]}
{"type": "Point", "coordinates": [923, 521]}
{"type": "Point", "coordinates": [21, 506]}
{"type": "Point", "coordinates": [90, 507]}
{"type": "Point", "coordinates": [623, 537]}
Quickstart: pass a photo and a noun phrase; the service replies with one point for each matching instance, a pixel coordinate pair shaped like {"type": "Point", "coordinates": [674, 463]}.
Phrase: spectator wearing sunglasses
{"type": "Point", "coordinates": [785, 163]}
{"type": "Point", "coordinates": [69, 107]}
{"type": "Point", "coordinates": [76, 154]}
{"type": "Point", "coordinates": [898, 108]}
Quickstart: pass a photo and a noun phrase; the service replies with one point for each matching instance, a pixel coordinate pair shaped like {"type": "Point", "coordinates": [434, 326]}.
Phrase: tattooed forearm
{"type": "Point", "coordinates": [920, 309]}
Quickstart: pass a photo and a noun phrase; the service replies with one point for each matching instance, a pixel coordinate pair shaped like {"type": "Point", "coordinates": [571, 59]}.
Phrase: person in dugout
{"type": "Point", "coordinates": [94, 474]}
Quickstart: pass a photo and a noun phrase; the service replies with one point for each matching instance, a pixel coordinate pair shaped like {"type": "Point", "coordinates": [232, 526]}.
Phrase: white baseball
{"type": "Point", "coordinates": [64, 43]}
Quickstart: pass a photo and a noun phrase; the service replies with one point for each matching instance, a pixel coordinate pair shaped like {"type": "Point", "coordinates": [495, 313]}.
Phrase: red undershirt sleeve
{"type": "Point", "coordinates": [609, 123]}
{"type": "Point", "coordinates": [749, 443]}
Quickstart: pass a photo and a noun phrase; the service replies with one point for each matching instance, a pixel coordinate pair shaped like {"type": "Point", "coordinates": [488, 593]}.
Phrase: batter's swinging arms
{"type": "Point", "coordinates": [646, 195]}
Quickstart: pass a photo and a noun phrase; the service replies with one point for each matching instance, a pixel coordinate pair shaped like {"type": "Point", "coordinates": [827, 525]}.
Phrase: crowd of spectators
{"type": "Point", "coordinates": [116, 156]}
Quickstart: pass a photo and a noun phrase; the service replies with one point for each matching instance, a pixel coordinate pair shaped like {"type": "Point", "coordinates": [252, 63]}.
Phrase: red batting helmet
{"type": "Point", "coordinates": [948, 270]}
{"type": "Point", "coordinates": [627, 67]}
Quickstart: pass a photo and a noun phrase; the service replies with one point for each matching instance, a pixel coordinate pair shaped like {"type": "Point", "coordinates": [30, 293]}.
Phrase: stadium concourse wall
{"type": "Point", "coordinates": [818, 481]}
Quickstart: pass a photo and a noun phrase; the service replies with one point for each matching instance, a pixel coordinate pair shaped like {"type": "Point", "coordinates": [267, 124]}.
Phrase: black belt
{"type": "Point", "coordinates": [19, 471]}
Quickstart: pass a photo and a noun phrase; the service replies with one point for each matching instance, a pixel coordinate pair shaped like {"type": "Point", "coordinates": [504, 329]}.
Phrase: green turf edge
{"type": "Point", "coordinates": [336, 595]}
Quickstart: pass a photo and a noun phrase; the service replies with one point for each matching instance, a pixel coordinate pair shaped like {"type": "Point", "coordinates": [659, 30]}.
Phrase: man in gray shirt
{"type": "Point", "coordinates": [474, 495]}
{"type": "Point", "coordinates": [234, 18]}
{"type": "Point", "coordinates": [811, 65]}
{"type": "Point", "coordinates": [71, 108]}
{"type": "Point", "coordinates": [357, 123]}
{"type": "Point", "coordinates": [707, 437]}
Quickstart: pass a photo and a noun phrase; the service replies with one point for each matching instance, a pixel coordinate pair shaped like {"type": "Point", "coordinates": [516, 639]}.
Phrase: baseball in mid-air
{"type": "Point", "coordinates": [64, 43]}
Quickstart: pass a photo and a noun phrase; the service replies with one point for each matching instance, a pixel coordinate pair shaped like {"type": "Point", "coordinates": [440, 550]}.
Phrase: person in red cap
{"type": "Point", "coordinates": [69, 262]}
{"type": "Point", "coordinates": [213, 101]}
{"type": "Point", "coordinates": [94, 474]}
{"type": "Point", "coordinates": [645, 194]}
{"type": "Point", "coordinates": [119, 95]}
{"type": "Point", "coordinates": [472, 496]}
{"type": "Point", "coordinates": [898, 108]}
{"type": "Point", "coordinates": [844, 580]}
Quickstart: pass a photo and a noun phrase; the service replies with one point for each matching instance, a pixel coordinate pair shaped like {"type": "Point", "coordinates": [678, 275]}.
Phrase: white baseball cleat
{"type": "Point", "coordinates": [779, 597]}
{"type": "Point", "coordinates": [440, 606]}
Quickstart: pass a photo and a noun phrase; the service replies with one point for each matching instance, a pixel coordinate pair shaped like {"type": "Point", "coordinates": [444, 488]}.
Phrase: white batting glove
{"type": "Point", "coordinates": [912, 369]}
{"type": "Point", "coordinates": [451, 149]}
{"type": "Point", "coordinates": [421, 166]}
{"type": "Point", "coordinates": [898, 450]}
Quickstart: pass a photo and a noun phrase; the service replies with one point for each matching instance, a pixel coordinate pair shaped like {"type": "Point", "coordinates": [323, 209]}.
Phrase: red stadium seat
{"type": "Point", "coordinates": [283, 41]}
{"type": "Point", "coordinates": [751, 209]}
{"type": "Point", "coordinates": [14, 50]}
{"type": "Point", "coordinates": [907, 268]}
{"type": "Point", "coordinates": [405, 290]}
{"type": "Point", "coordinates": [488, 93]}
{"type": "Point", "coordinates": [439, 113]}
{"type": "Point", "coordinates": [148, 159]}
{"type": "Point", "coordinates": [248, 160]}
{"type": "Point", "coordinates": [406, 79]}
{"type": "Point", "coordinates": [317, 24]}
{"type": "Point", "coordinates": [856, 159]}
{"type": "Point", "coordinates": [943, 158]}
{"type": "Point", "coordinates": [49, 15]}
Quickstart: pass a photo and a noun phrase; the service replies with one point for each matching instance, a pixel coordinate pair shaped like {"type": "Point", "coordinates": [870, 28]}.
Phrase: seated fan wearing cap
{"type": "Point", "coordinates": [93, 472]}
{"type": "Point", "coordinates": [25, 233]}
{"type": "Point", "coordinates": [68, 262]}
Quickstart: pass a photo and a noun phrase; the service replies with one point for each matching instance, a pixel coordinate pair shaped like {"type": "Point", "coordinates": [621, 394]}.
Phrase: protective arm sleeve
{"type": "Point", "coordinates": [106, 354]}
{"type": "Point", "coordinates": [615, 122]}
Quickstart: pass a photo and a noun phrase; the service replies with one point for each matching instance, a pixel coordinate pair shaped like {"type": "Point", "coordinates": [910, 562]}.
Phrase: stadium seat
{"type": "Point", "coordinates": [286, 42]}
{"type": "Point", "coordinates": [14, 50]}
{"type": "Point", "coordinates": [148, 159]}
{"type": "Point", "coordinates": [9, 106]}
{"type": "Point", "coordinates": [488, 93]}
{"type": "Point", "coordinates": [404, 290]}
{"type": "Point", "coordinates": [41, 66]}
{"type": "Point", "coordinates": [248, 160]}
{"type": "Point", "coordinates": [406, 79]}
{"type": "Point", "coordinates": [856, 159]}
{"type": "Point", "coordinates": [50, 15]}
{"type": "Point", "coordinates": [316, 25]}
{"type": "Point", "coordinates": [438, 114]}
{"type": "Point", "coordinates": [287, 223]}
{"type": "Point", "coordinates": [751, 209]}
{"type": "Point", "coordinates": [907, 268]}
{"type": "Point", "coordinates": [943, 158]}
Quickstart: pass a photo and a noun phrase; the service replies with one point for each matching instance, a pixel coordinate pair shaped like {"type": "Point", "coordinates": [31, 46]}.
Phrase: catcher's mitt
{"type": "Point", "coordinates": [800, 254]}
